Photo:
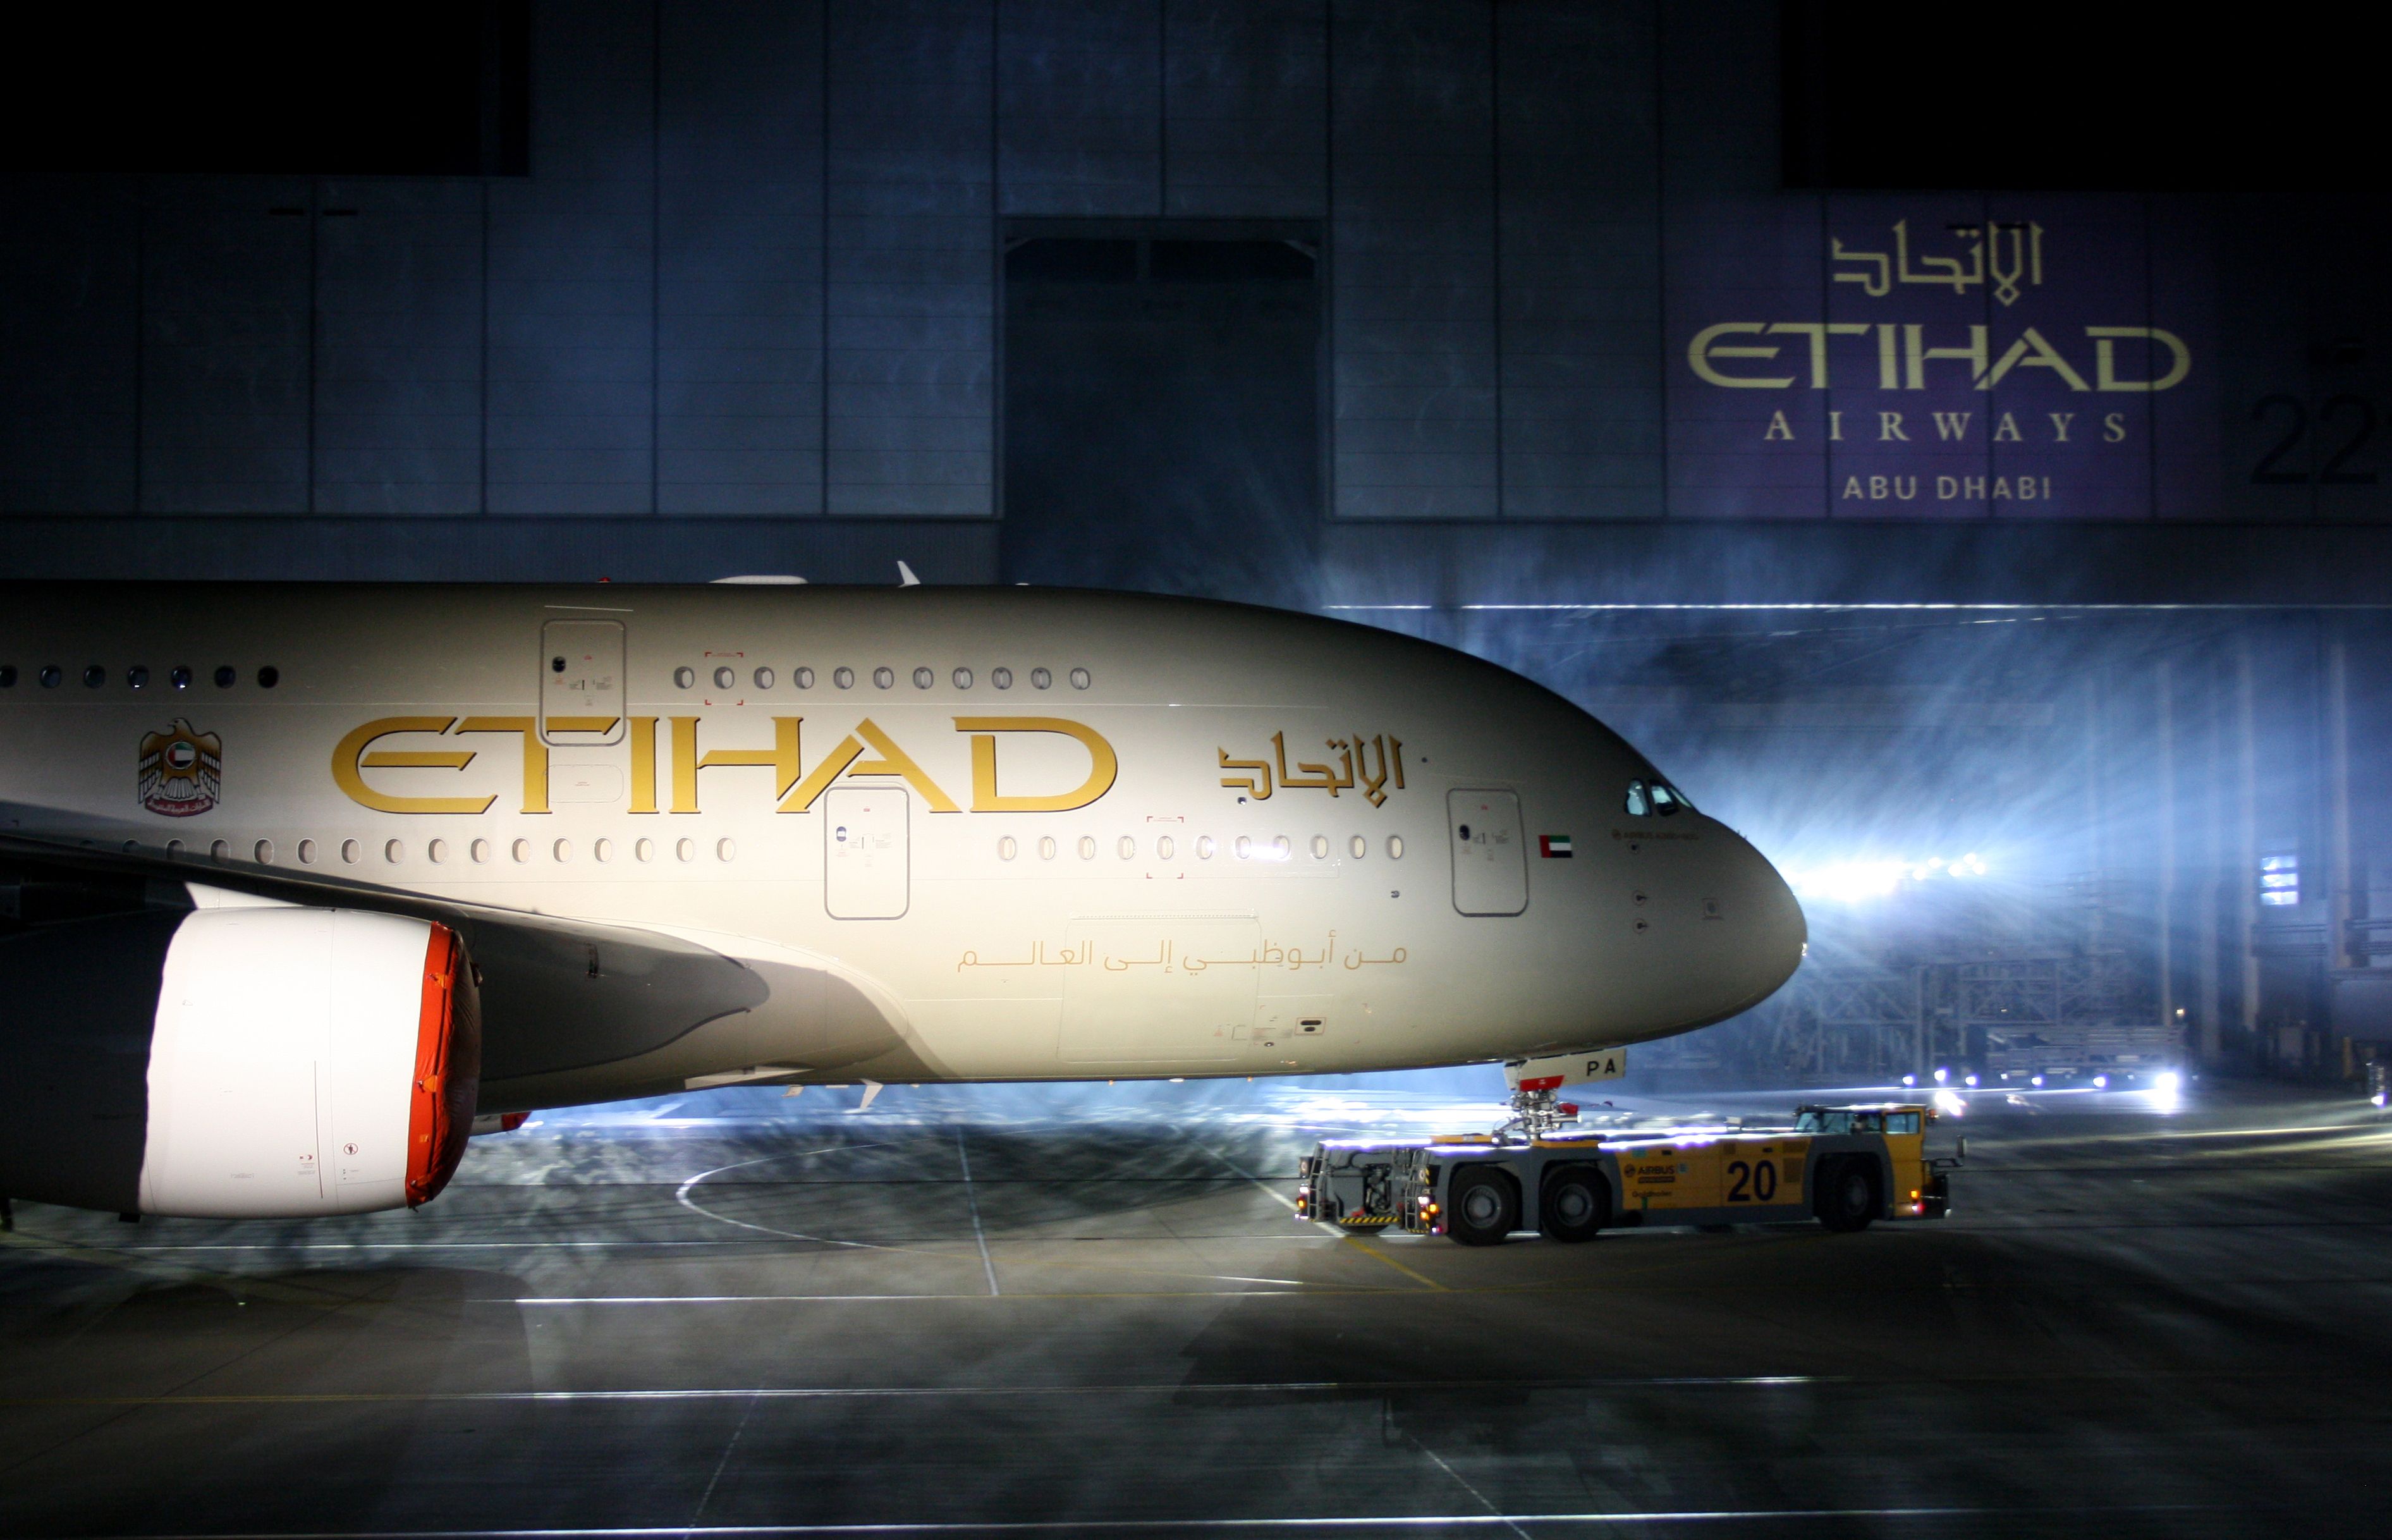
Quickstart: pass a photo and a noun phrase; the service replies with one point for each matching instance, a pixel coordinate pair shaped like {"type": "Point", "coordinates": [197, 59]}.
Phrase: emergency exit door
{"type": "Point", "coordinates": [1490, 861]}
{"type": "Point", "coordinates": [865, 853]}
{"type": "Point", "coordinates": [580, 682]}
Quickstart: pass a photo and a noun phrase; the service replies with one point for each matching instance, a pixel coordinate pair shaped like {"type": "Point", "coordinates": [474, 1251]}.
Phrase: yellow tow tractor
{"type": "Point", "coordinates": [1846, 1166]}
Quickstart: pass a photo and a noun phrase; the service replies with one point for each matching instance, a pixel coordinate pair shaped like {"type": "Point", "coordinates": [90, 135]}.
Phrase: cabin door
{"type": "Point", "coordinates": [580, 682]}
{"type": "Point", "coordinates": [1490, 861]}
{"type": "Point", "coordinates": [864, 853]}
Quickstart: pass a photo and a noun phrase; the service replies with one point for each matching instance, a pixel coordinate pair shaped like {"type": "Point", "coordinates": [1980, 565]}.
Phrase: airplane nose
{"type": "Point", "coordinates": [1763, 930]}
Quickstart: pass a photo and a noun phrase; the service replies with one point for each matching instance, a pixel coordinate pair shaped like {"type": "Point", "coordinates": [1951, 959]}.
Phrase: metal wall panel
{"type": "Point", "coordinates": [1411, 271]}
{"type": "Point", "coordinates": [224, 354]}
{"type": "Point", "coordinates": [740, 280]}
{"type": "Point", "coordinates": [398, 368]}
{"type": "Point", "coordinates": [70, 353]}
{"type": "Point", "coordinates": [572, 275]}
{"type": "Point", "coordinates": [912, 235]}
{"type": "Point", "coordinates": [1246, 109]}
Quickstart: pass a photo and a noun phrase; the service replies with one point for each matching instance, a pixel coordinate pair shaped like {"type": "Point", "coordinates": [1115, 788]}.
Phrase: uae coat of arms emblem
{"type": "Point", "coordinates": [182, 770]}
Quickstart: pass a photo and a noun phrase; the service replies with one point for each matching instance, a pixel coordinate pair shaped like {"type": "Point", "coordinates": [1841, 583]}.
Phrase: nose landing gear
{"type": "Point", "coordinates": [1537, 1110]}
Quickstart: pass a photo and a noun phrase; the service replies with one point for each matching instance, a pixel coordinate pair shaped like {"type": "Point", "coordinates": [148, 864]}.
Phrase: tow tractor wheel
{"type": "Point", "coordinates": [1482, 1207]}
{"type": "Point", "coordinates": [1577, 1204]}
{"type": "Point", "coordinates": [1848, 1196]}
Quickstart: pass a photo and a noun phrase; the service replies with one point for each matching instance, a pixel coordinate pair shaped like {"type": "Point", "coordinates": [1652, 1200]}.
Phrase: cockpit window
{"type": "Point", "coordinates": [1646, 797]}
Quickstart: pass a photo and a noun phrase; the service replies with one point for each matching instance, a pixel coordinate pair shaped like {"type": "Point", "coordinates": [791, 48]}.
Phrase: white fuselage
{"type": "Point", "coordinates": [1214, 839]}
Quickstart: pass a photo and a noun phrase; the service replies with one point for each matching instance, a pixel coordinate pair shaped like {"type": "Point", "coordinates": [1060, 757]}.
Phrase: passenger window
{"type": "Point", "coordinates": [1637, 806]}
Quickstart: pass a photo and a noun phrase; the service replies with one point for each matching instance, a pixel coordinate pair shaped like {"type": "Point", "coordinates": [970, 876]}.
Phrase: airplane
{"type": "Point", "coordinates": [299, 880]}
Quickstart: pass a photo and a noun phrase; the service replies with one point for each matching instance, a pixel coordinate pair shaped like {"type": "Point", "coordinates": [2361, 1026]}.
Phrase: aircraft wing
{"type": "Point", "coordinates": [557, 995]}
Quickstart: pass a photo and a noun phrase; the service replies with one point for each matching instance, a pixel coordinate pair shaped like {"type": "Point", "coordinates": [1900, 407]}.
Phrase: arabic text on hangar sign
{"type": "Point", "coordinates": [2003, 256]}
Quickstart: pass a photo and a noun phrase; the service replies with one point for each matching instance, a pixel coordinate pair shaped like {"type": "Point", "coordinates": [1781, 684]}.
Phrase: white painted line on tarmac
{"type": "Point", "coordinates": [1329, 1522]}
{"type": "Point", "coordinates": [681, 1195]}
{"type": "Point", "coordinates": [925, 1393]}
{"type": "Point", "coordinates": [973, 1198]}
{"type": "Point", "coordinates": [1234, 1236]}
{"type": "Point", "coordinates": [894, 1298]}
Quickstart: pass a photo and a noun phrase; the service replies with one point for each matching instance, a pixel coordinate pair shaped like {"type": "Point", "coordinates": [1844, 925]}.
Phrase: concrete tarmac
{"type": "Point", "coordinates": [1077, 1311]}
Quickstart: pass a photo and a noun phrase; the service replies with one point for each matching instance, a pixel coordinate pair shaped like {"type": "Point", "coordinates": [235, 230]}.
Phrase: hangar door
{"type": "Point", "coordinates": [1163, 382]}
{"type": "Point", "coordinates": [1490, 861]}
{"type": "Point", "coordinates": [864, 853]}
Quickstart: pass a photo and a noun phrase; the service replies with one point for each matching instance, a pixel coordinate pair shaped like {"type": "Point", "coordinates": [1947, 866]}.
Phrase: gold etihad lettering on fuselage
{"type": "Point", "coordinates": [796, 787]}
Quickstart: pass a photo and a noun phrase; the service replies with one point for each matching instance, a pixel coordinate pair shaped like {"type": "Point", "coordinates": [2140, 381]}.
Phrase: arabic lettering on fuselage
{"type": "Point", "coordinates": [1169, 958]}
{"type": "Point", "coordinates": [2005, 251]}
{"type": "Point", "coordinates": [1352, 768]}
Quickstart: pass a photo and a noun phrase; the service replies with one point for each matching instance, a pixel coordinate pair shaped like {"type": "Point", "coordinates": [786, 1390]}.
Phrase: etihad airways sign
{"type": "Point", "coordinates": [1917, 356]}
{"type": "Point", "coordinates": [396, 743]}
{"type": "Point", "coordinates": [1900, 355]}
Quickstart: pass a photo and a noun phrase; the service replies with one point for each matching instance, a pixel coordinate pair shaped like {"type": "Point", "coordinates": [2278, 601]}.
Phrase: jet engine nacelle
{"type": "Point", "coordinates": [294, 1062]}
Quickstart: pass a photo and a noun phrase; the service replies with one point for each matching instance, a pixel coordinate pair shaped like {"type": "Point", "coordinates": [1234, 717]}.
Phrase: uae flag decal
{"type": "Point", "coordinates": [1553, 847]}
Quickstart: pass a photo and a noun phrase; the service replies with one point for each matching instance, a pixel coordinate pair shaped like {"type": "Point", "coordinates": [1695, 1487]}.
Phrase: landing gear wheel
{"type": "Point", "coordinates": [1577, 1205]}
{"type": "Point", "coordinates": [1847, 1197]}
{"type": "Point", "coordinates": [1482, 1207]}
